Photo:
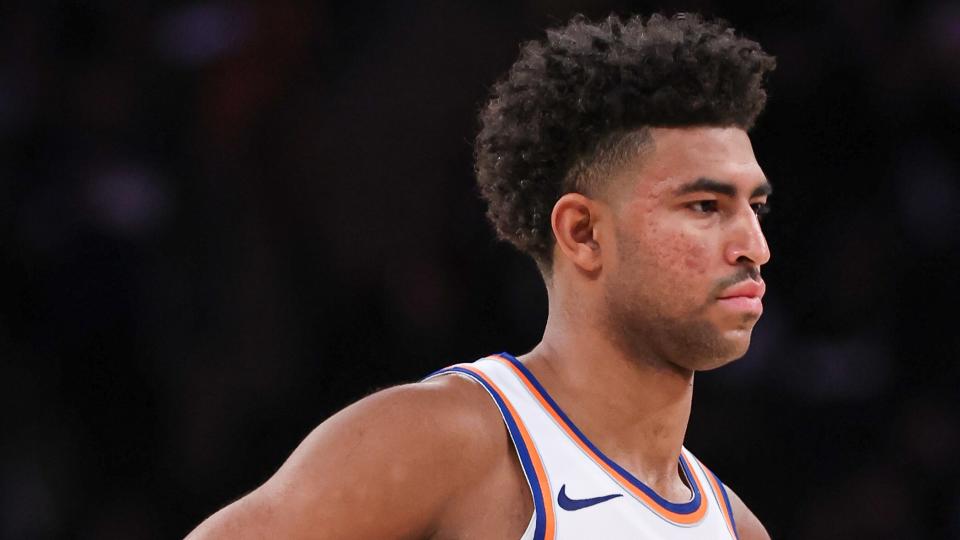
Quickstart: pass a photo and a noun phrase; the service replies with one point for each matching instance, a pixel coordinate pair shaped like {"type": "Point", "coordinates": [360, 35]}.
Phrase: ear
{"type": "Point", "coordinates": [574, 221]}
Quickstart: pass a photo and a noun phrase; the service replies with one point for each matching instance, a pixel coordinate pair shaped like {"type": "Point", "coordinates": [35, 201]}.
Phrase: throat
{"type": "Point", "coordinates": [635, 414]}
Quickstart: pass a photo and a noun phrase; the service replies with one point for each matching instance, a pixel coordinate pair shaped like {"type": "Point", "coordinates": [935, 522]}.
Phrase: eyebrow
{"type": "Point", "coordinates": [722, 188]}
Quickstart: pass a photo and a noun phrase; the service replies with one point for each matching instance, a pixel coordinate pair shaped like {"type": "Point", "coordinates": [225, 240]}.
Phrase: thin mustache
{"type": "Point", "coordinates": [742, 275]}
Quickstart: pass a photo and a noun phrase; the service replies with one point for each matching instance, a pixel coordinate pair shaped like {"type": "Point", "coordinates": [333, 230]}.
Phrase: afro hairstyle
{"type": "Point", "coordinates": [571, 100]}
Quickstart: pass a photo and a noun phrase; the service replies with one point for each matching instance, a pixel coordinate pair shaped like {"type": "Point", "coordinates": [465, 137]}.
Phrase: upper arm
{"type": "Point", "coordinates": [383, 467]}
{"type": "Point", "coordinates": [748, 526]}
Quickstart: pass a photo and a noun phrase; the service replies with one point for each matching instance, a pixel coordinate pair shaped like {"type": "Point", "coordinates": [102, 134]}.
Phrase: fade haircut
{"type": "Point", "coordinates": [577, 104]}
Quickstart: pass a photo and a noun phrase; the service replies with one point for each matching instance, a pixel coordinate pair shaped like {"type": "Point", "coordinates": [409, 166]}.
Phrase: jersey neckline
{"type": "Point", "coordinates": [686, 513]}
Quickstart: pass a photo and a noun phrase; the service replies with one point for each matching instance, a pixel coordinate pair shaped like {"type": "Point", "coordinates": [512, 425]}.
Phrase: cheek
{"type": "Point", "coordinates": [669, 252]}
{"type": "Point", "coordinates": [695, 258]}
{"type": "Point", "coordinates": [686, 254]}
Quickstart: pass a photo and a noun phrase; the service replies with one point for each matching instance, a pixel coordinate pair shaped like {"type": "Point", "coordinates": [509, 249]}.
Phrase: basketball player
{"type": "Point", "coordinates": [616, 155]}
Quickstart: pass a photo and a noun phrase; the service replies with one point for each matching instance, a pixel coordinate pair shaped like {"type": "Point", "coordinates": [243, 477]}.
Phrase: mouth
{"type": "Point", "coordinates": [745, 297]}
{"type": "Point", "coordinates": [742, 304]}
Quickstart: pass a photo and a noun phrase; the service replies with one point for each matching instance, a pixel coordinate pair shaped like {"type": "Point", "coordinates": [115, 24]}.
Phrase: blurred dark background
{"type": "Point", "coordinates": [221, 222]}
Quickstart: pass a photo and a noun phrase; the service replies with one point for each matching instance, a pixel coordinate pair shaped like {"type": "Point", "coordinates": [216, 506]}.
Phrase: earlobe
{"type": "Point", "coordinates": [574, 221]}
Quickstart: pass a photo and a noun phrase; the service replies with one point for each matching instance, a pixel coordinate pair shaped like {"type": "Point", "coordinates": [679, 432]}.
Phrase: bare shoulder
{"type": "Point", "coordinates": [388, 465]}
{"type": "Point", "coordinates": [748, 525]}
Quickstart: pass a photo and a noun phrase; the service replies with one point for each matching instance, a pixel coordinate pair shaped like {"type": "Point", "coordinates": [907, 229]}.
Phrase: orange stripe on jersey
{"type": "Point", "coordinates": [717, 491]}
{"type": "Point", "coordinates": [550, 519]}
{"type": "Point", "coordinates": [677, 518]}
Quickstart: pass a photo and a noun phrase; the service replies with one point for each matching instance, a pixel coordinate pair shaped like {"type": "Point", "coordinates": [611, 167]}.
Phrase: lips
{"type": "Point", "coordinates": [744, 296]}
{"type": "Point", "coordinates": [745, 289]}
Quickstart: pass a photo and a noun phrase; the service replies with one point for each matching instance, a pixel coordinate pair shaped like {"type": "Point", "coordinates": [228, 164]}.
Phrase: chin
{"type": "Point", "coordinates": [732, 347]}
{"type": "Point", "coordinates": [714, 364]}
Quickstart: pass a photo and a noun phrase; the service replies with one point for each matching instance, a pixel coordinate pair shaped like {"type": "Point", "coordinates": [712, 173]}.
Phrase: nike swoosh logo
{"type": "Point", "coordinates": [577, 504]}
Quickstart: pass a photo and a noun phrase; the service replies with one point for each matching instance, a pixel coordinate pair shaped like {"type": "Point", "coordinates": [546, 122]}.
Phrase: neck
{"type": "Point", "coordinates": [634, 409]}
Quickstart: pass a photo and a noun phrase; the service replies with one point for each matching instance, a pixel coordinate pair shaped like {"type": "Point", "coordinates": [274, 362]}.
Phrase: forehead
{"type": "Point", "coordinates": [681, 155]}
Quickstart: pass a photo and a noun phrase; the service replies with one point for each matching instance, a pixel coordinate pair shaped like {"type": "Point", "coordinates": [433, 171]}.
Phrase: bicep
{"type": "Point", "coordinates": [369, 471]}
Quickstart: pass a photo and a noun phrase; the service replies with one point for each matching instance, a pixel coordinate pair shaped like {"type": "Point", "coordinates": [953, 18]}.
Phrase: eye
{"type": "Point", "coordinates": [703, 207]}
{"type": "Point", "coordinates": [760, 209]}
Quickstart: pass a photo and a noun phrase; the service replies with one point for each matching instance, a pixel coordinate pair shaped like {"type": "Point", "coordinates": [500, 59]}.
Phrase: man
{"type": "Point", "coordinates": [617, 156]}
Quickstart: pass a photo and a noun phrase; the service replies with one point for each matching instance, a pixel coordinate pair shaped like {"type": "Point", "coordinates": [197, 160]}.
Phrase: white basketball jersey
{"type": "Point", "coordinates": [578, 492]}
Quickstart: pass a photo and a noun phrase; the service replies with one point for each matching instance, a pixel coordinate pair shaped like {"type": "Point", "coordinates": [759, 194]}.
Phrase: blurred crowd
{"type": "Point", "coordinates": [223, 221]}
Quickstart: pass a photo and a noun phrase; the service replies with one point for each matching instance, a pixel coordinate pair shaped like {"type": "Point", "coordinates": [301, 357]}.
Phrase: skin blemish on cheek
{"type": "Point", "coordinates": [691, 252]}
{"type": "Point", "coordinates": [695, 262]}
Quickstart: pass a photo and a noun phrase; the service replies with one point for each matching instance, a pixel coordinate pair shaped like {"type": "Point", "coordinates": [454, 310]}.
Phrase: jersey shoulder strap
{"type": "Point", "coordinates": [557, 458]}
{"type": "Point", "coordinates": [501, 390]}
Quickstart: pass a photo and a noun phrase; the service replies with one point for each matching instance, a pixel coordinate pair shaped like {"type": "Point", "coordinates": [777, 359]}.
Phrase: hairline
{"type": "Point", "coordinates": [591, 173]}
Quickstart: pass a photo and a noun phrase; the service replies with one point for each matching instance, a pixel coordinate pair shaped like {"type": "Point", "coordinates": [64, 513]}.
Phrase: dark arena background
{"type": "Point", "coordinates": [222, 222]}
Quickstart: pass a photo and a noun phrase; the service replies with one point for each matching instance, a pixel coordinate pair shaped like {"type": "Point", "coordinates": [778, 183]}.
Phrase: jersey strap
{"type": "Point", "coordinates": [723, 501]}
{"type": "Point", "coordinates": [532, 464]}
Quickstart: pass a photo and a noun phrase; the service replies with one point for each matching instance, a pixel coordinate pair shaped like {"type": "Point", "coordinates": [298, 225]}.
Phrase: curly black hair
{"type": "Point", "coordinates": [585, 95]}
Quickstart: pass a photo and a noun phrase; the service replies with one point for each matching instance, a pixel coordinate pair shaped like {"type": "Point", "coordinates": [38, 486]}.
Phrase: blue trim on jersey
{"type": "Point", "coordinates": [679, 508]}
{"type": "Point", "coordinates": [726, 501]}
{"type": "Point", "coordinates": [528, 470]}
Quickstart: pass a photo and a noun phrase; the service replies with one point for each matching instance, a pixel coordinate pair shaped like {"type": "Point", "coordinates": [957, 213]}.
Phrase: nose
{"type": "Point", "coordinates": [746, 243]}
